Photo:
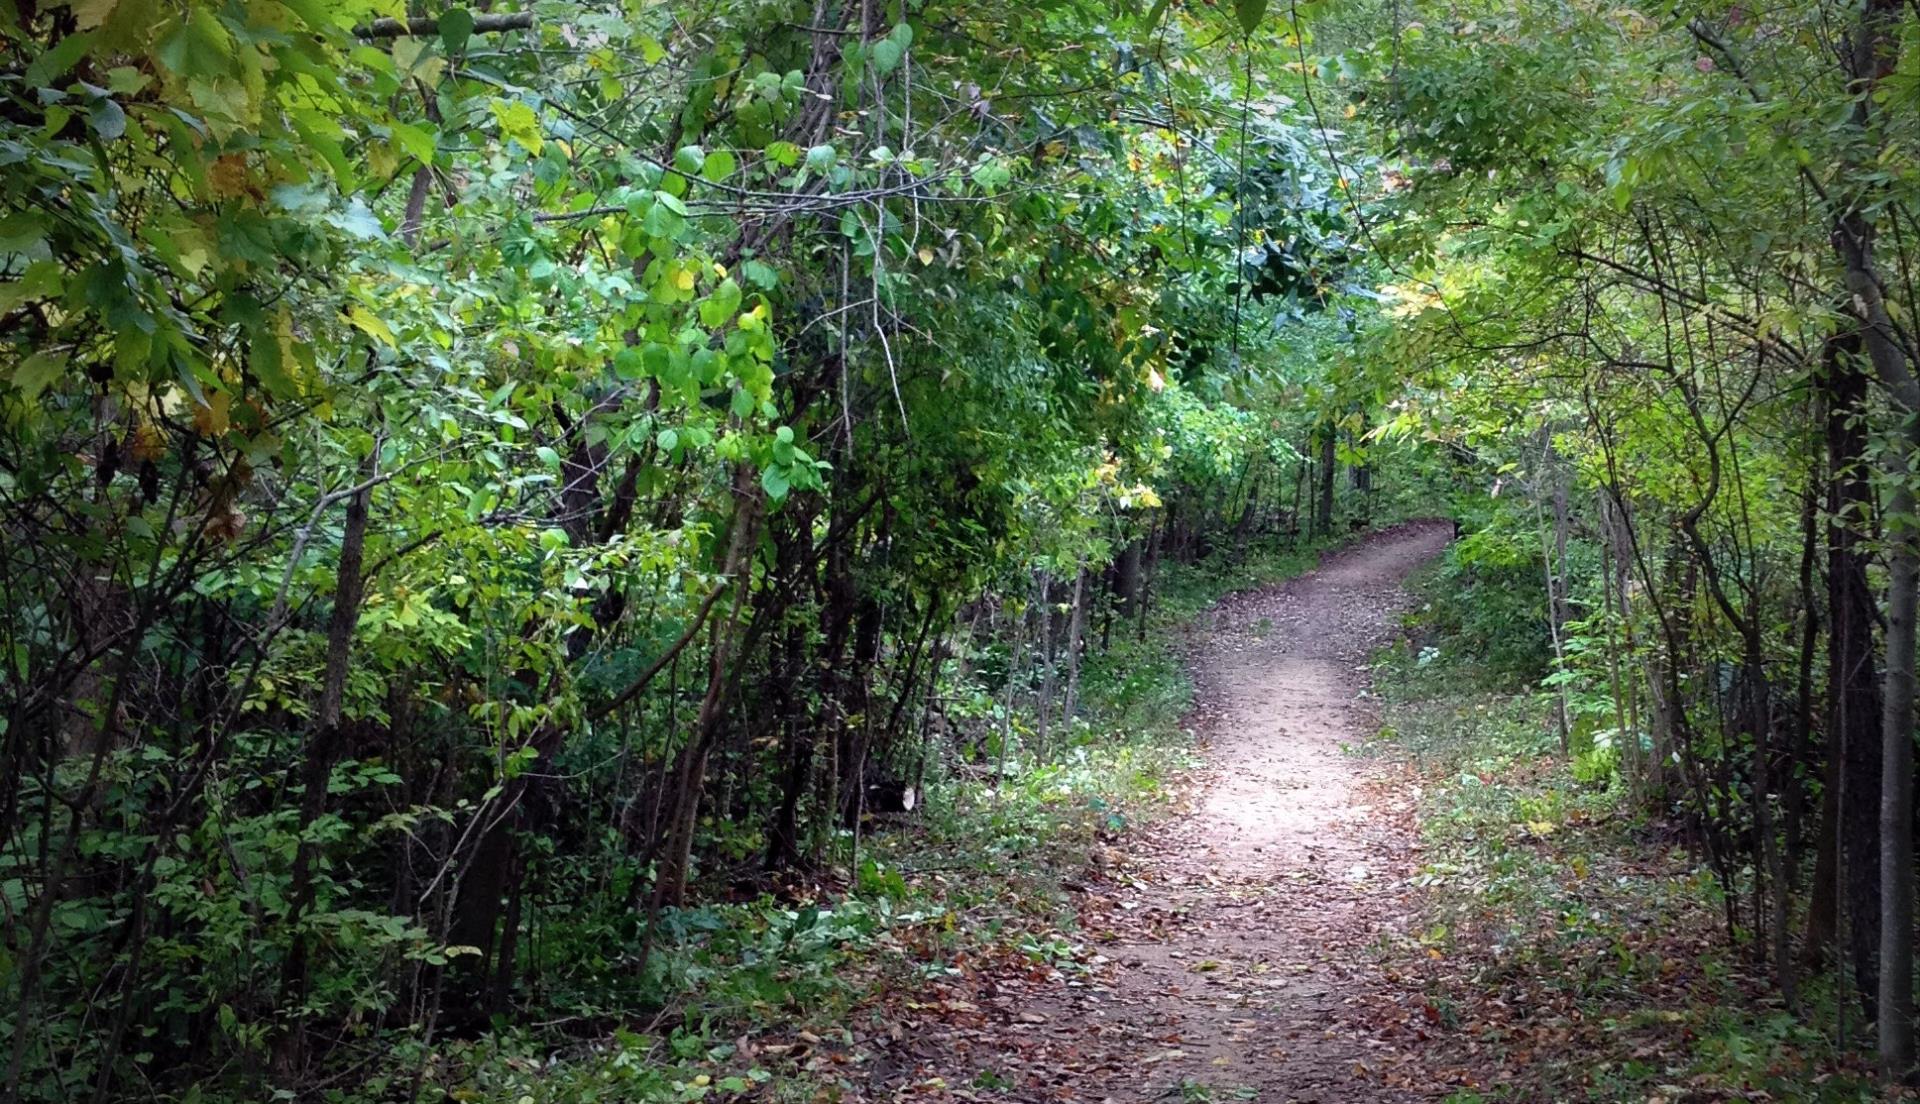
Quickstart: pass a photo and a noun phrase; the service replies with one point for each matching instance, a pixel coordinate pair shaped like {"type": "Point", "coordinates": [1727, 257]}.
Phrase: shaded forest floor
{"type": "Point", "coordinates": [1376, 881]}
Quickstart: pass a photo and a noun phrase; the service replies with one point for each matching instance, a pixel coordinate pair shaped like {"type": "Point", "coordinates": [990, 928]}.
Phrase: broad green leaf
{"type": "Point", "coordinates": [456, 26]}
{"type": "Point", "coordinates": [417, 141]}
{"type": "Point", "coordinates": [774, 481]}
{"type": "Point", "coordinates": [33, 374]}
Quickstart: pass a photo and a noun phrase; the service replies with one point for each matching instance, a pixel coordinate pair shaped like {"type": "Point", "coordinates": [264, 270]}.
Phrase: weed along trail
{"type": "Point", "coordinates": [1234, 939]}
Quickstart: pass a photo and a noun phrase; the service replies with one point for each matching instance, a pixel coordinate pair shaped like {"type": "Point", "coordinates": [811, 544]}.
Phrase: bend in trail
{"type": "Point", "coordinates": [1234, 939]}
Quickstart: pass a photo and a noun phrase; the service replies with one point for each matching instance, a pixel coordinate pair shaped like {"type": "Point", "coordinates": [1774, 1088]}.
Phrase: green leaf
{"type": "Point", "coordinates": [416, 140]}
{"type": "Point", "coordinates": [34, 373]}
{"type": "Point", "coordinates": [662, 220]}
{"type": "Point", "coordinates": [774, 482]}
{"type": "Point", "coordinates": [1250, 13]}
{"type": "Point", "coordinates": [108, 120]}
{"type": "Point", "coordinates": [60, 60]}
{"type": "Point", "coordinates": [200, 48]}
{"type": "Point", "coordinates": [356, 220]}
{"type": "Point", "coordinates": [456, 26]}
{"type": "Point", "coordinates": [719, 165]}
{"type": "Point", "coordinates": [887, 55]}
{"type": "Point", "coordinates": [761, 274]}
{"type": "Point", "coordinates": [41, 280]}
{"type": "Point", "coordinates": [717, 308]}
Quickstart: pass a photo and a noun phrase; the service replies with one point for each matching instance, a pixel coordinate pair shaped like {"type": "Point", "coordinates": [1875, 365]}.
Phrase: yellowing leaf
{"type": "Point", "coordinates": [372, 326]}
{"type": "Point", "coordinates": [210, 417]}
{"type": "Point", "coordinates": [518, 122]}
{"type": "Point", "coordinates": [407, 51]}
{"type": "Point", "coordinates": [88, 14]}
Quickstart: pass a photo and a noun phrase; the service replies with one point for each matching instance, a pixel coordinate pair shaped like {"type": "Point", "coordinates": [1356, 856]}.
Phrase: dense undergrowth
{"type": "Point", "coordinates": [1571, 947]}
{"type": "Point", "coordinates": [789, 994]}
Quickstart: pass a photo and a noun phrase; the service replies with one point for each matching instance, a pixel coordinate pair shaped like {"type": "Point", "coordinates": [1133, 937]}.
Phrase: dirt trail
{"type": "Point", "coordinates": [1249, 976]}
{"type": "Point", "coordinates": [1236, 938]}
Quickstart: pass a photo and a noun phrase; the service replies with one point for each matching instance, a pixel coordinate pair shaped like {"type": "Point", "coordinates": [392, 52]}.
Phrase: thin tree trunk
{"type": "Point", "coordinates": [1151, 566]}
{"type": "Point", "coordinates": [317, 768]}
{"type": "Point", "coordinates": [1553, 550]}
{"type": "Point", "coordinates": [1625, 737]}
{"type": "Point", "coordinates": [1076, 628]}
{"type": "Point", "coordinates": [670, 885]}
{"type": "Point", "coordinates": [1045, 710]}
{"type": "Point", "coordinates": [1323, 522]}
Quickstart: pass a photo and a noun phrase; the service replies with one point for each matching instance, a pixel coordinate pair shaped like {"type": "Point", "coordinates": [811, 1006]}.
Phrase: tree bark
{"type": "Point", "coordinates": [1323, 513]}
{"type": "Point", "coordinates": [1076, 630]}
{"type": "Point", "coordinates": [317, 768]}
{"type": "Point", "coordinates": [670, 886]}
{"type": "Point", "coordinates": [1873, 55]}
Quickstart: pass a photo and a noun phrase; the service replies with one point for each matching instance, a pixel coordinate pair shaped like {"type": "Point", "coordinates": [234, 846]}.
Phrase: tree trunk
{"type": "Point", "coordinates": [1044, 602]}
{"type": "Point", "coordinates": [1151, 563]}
{"type": "Point", "coordinates": [1126, 576]}
{"type": "Point", "coordinates": [1553, 554]}
{"type": "Point", "coordinates": [317, 768]}
{"type": "Point", "coordinates": [1076, 629]}
{"type": "Point", "coordinates": [1323, 515]}
{"type": "Point", "coordinates": [670, 885]}
{"type": "Point", "coordinates": [1873, 54]}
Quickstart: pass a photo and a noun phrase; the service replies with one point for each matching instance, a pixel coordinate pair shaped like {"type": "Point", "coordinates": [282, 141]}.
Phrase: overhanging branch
{"type": "Point", "coordinates": [425, 26]}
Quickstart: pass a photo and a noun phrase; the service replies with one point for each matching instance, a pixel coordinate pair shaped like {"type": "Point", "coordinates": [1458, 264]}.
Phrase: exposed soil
{"type": "Point", "coordinates": [1237, 939]}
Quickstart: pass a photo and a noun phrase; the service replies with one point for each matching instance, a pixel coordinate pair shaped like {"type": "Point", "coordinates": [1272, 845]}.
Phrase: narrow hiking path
{"type": "Point", "coordinates": [1234, 939]}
